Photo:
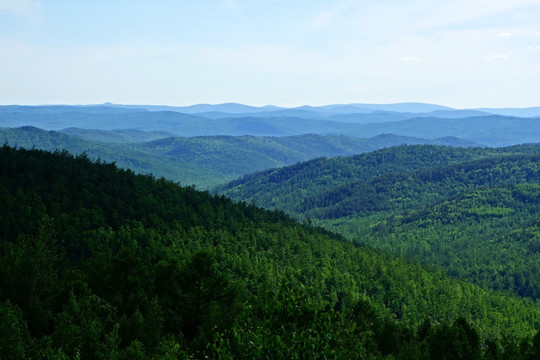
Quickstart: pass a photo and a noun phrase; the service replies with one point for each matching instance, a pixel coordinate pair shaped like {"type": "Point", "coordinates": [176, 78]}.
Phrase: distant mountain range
{"type": "Point", "coordinates": [490, 127]}
{"type": "Point", "coordinates": [208, 145]}
{"type": "Point", "coordinates": [412, 108]}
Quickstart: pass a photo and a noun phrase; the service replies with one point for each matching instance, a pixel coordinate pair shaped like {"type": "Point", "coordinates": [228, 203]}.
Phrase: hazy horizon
{"type": "Point", "coordinates": [108, 103]}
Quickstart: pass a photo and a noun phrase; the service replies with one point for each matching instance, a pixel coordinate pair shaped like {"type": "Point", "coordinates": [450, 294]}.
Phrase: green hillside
{"type": "Point", "coordinates": [321, 183]}
{"type": "Point", "coordinates": [452, 208]}
{"type": "Point", "coordinates": [490, 237]}
{"type": "Point", "coordinates": [201, 161]}
{"type": "Point", "coordinates": [393, 193]}
{"type": "Point", "coordinates": [235, 156]}
{"type": "Point", "coordinates": [97, 262]}
{"type": "Point", "coordinates": [124, 155]}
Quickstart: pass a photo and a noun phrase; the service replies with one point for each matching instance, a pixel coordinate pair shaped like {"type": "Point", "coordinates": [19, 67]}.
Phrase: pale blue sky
{"type": "Point", "coordinates": [461, 53]}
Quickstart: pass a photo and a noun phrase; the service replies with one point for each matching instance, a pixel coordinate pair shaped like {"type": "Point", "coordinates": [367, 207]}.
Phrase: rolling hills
{"type": "Point", "coordinates": [201, 161]}
{"type": "Point", "coordinates": [286, 186]}
{"type": "Point", "coordinates": [124, 155]}
{"type": "Point", "coordinates": [99, 262]}
{"type": "Point", "coordinates": [482, 199]}
{"type": "Point", "coordinates": [484, 127]}
{"type": "Point", "coordinates": [421, 251]}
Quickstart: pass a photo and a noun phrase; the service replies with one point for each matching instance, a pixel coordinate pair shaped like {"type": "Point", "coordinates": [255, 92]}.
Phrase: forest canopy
{"type": "Point", "coordinates": [97, 262]}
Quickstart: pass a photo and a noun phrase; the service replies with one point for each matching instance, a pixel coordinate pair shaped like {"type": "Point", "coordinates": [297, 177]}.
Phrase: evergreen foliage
{"type": "Point", "coordinates": [473, 212]}
{"type": "Point", "coordinates": [97, 262]}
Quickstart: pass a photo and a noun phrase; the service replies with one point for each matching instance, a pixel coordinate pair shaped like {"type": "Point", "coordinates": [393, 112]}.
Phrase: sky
{"type": "Point", "coordinates": [460, 53]}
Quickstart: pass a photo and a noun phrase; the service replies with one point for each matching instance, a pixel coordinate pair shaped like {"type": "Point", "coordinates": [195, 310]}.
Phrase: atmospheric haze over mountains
{"type": "Point", "coordinates": [485, 126]}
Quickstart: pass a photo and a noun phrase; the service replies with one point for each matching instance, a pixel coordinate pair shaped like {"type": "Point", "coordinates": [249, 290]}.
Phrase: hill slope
{"type": "Point", "coordinates": [124, 155]}
{"type": "Point", "coordinates": [202, 161]}
{"type": "Point", "coordinates": [385, 199]}
{"type": "Point", "coordinates": [97, 262]}
{"type": "Point", "coordinates": [489, 236]}
{"type": "Point", "coordinates": [240, 155]}
{"type": "Point", "coordinates": [288, 186]}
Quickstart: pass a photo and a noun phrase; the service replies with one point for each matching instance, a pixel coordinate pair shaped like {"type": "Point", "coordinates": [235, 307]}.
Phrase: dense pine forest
{"type": "Point", "coordinates": [320, 184]}
{"type": "Point", "coordinates": [472, 212]}
{"type": "Point", "coordinates": [97, 262]}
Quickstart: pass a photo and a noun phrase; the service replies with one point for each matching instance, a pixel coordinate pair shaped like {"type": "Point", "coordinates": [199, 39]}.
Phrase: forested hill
{"type": "Point", "coordinates": [406, 191]}
{"type": "Point", "coordinates": [204, 161]}
{"type": "Point", "coordinates": [126, 156]}
{"type": "Point", "coordinates": [234, 156]}
{"type": "Point", "coordinates": [320, 184]}
{"type": "Point", "coordinates": [490, 236]}
{"type": "Point", "coordinates": [472, 212]}
{"type": "Point", "coordinates": [97, 262]}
